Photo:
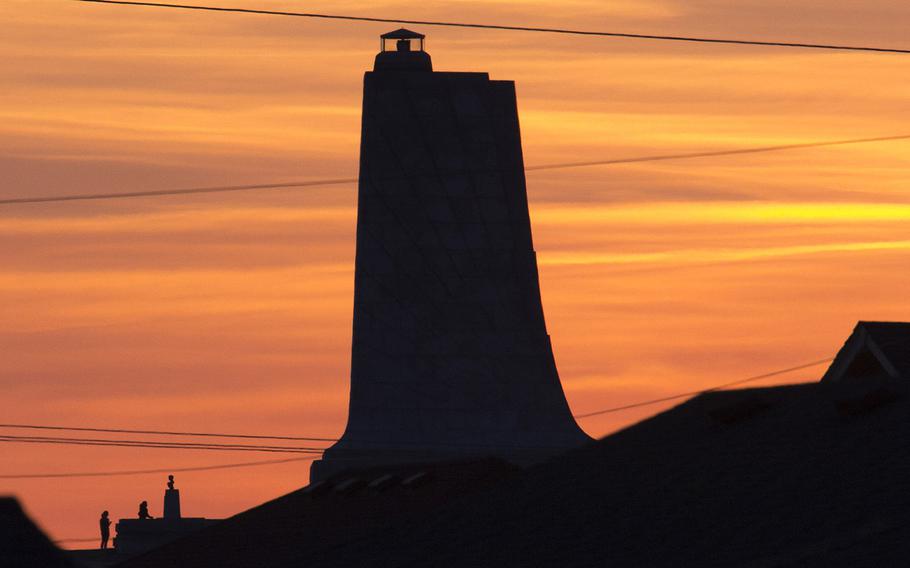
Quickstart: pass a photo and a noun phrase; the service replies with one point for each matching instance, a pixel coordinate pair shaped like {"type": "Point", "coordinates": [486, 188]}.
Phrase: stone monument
{"type": "Point", "coordinates": [171, 500]}
{"type": "Point", "coordinates": [451, 357]}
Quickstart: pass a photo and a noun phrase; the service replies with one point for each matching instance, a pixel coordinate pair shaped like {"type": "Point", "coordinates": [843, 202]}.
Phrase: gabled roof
{"type": "Point", "coordinates": [893, 339]}
{"type": "Point", "coordinates": [402, 33]}
{"type": "Point", "coordinates": [873, 346]}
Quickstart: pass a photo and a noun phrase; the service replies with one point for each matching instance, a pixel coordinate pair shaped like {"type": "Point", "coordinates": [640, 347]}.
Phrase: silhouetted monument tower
{"type": "Point", "coordinates": [450, 356]}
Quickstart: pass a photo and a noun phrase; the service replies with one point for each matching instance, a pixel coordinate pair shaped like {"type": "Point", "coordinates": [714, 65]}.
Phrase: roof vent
{"type": "Point", "coordinates": [416, 480]}
{"type": "Point", "coordinates": [381, 483]}
{"type": "Point", "coordinates": [348, 485]}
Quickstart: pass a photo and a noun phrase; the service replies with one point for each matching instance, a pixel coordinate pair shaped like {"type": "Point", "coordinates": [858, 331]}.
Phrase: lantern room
{"type": "Point", "coordinates": [401, 40]}
{"type": "Point", "coordinates": [402, 50]}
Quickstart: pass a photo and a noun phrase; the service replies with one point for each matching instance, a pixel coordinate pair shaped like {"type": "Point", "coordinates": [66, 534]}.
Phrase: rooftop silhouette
{"type": "Point", "coordinates": [875, 350]}
{"type": "Point", "coordinates": [23, 544]}
{"type": "Point", "coordinates": [147, 532]}
{"type": "Point", "coordinates": [763, 476]}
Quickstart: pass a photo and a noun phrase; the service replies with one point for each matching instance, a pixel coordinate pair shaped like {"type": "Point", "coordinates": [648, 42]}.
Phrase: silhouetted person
{"type": "Point", "coordinates": [105, 524]}
{"type": "Point", "coordinates": [144, 511]}
{"type": "Point", "coordinates": [170, 482]}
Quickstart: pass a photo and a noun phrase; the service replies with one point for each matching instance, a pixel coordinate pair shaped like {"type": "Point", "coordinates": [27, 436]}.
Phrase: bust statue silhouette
{"type": "Point", "coordinates": [170, 482]}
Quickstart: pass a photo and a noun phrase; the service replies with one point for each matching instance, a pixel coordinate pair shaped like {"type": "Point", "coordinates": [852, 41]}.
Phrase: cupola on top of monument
{"type": "Point", "coordinates": [402, 50]}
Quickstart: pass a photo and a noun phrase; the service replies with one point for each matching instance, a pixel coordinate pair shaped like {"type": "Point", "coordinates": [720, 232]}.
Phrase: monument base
{"type": "Point", "coordinates": [172, 504]}
{"type": "Point", "coordinates": [339, 460]}
{"type": "Point", "coordinates": [139, 535]}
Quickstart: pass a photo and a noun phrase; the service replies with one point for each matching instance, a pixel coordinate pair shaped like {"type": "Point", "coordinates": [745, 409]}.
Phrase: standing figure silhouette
{"type": "Point", "coordinates": [170, 482]}
{"type": "Point", "coordinates": [105, 524]}
{"type": "Point", "coordinates": [144, 511]}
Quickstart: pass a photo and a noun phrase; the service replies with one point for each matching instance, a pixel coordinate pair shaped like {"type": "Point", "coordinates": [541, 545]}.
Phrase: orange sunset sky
{"type": "Point", "coordinates": [232, 312]}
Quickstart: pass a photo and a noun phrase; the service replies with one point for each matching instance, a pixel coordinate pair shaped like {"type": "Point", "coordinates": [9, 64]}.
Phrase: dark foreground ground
{"type": "Point", "coordinates": [787, 476]}
{"type": "Point", "coordinates": [23, 544]}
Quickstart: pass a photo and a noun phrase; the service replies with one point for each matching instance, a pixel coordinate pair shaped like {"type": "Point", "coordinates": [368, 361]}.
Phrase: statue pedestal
{"type": "Point", "coordinates": [135, 536]}
{"type": "Point", "coordinates": [171, 503]}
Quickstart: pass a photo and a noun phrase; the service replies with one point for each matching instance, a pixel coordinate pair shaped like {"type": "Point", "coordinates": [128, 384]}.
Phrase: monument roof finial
{"type": "Point", "coordinates": [402, 33]}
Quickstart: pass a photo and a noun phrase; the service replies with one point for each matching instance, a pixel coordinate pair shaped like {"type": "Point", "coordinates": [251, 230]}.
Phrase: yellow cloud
{"type": "Point", "coordinates": [721, 213]}
{"type": "Point", "coordinates": [716, 255]}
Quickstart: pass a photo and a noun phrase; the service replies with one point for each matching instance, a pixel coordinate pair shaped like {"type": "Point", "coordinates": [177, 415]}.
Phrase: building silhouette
{"type": "Point", "coordinates": [772, 476]}
{"type": "Point", "coordinates": [138, 535]}
{"type": "Point", "coordinates": [450, 355]}
{"type": "Point", "coordinates": [23, 544]}
{"type": "Point", "coordinates": [874, 351]}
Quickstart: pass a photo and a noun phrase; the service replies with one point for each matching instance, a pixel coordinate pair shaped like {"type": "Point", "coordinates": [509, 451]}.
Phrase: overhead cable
{"type": "Point", "coordinates": [555, 166]}
{"type": "Point", "coordinates": [716, 153]}
{"type": "Point", "coordinates": [705, 391]}
{"type": "Point", "coordinates": [155, 471]}
{"type": "Point", "coordinates": [786, 44]}
{"type": "Point", "coordinates": [315, 452]}
{"type": "Point", "coordinates": [164, 432]}
{"type": "Point", "coordinates": [156, 445]}
{"type": "Point", "coordinates": [193, 445]}
{"type": "Point", "coordinates": [165, 192]}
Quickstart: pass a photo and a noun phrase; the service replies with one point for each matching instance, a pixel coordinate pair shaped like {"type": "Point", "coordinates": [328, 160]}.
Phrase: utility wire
{"type": "Point", "coordinates": [317, 455]}
{"type": "Point", "coordinates": [166, 446]}
{"type": "Point", "coordinates": [316, 452]}
{"type": "Point", "coordinates": [511, 28]}
{"type": "Point", "coordinates": [557, 166]}
{"type": "Point", "coordinates": [188, 191]}
{"type": "Point", "coordinates": [418, 447]}
{"type": "Point", "coordinates": [154, 442]}
{"type": "Point", "coordinates": [210, 434]}
{"type": "Point", "coordinates": [714, 153]}
{"type": "Point", "coordinates": [705, 391]}
{"type": "Point", "coordinates": [155, 471]}
{"type": "Point", "coordinates": [165, 432]}
{"type": "Point", "coordinates": [191, 445]}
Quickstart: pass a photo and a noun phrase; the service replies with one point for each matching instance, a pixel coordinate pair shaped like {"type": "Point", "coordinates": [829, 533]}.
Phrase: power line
{"type": "Point", "coordinates": [414, 446]}
{"type": "Point", "coordinates": [313, 457]}
{"type": "Point", "coordinates": [192, 445]}
{"type": "Point", "coordinates": [155, 471]}
{"type": "Point", "coordinates": [156, 445]}
{"type": "Point", "coordinates": [154, 442]}
{"type": "Point", "coordinates": [696, 393]}
{"type": "Point", "coordinates": [316, 452]}
{"type": "Point", "coordinates": [165, 432]}
{"type": "Point", "coordinates": [164, 192]}
{"type": "Point", "coordinates": [556, 166]}
{"type": "Point", "coordinates": [211, 434]}
{"type": "Point", "coordinates": [714, 153]}
{"type": "Point", "coordinates": [510, 28]}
